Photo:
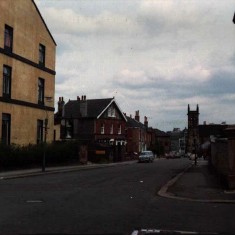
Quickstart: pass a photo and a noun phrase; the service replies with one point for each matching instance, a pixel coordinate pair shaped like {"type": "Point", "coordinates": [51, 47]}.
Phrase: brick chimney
{"type": "Point", "coordinates": [146, 121]}
{"type": "Point", "coordinates": [60, 105]}
{"type": "Point", "coordinates": [137, 115]}
{"type": "Point", "coordinates": [83, 106]}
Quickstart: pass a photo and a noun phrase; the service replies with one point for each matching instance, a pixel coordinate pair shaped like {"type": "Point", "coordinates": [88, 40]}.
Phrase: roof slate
{"type": "Point", "coordinates": [131, 122]}
{"type": "Point", "coordinates": [161, 133]}
{"type": "Point", "coordinates": [91, 108]}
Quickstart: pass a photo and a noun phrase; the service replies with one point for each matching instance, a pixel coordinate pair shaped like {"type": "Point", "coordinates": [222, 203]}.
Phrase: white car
{"type": "Point", "coordinates": [146, 156]}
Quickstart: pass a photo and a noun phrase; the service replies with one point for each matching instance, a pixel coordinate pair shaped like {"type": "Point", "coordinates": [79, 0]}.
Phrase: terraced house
{"type": "Point", "coordinates": [27, 68]}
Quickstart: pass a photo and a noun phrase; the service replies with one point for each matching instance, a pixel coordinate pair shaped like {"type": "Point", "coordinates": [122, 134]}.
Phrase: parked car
{"type": "Point", "coordinates": [146, 156]}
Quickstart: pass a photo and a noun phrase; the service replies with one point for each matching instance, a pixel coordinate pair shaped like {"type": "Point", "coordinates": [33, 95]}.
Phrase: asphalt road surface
{"type": "Point", "coordinates": [112, 200]}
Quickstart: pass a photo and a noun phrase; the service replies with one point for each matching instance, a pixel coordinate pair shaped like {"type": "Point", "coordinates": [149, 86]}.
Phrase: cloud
{"type": "Point", "coordinates": [75, 23]}
{"type": "Point", "coordinates": [156, 56]}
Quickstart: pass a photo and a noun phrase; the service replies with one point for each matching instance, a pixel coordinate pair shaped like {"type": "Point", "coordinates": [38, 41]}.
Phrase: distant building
{"type": "Point", "coordinates": [183, 141]}
{"type": "Point", "coordinates": [206, 131]}
{"type": "Point", "coordinates": [163, 141]}
{"type": "Point", "coordinates": [177, 140]}
{"type": "Point", "coordinates": [27, 66]}
{"type": "Point", "coordinates": [193, 131]}
{"type": "Point", "coordinates": [209, 132]}
{"type": "Point", "coordinates": [136, 134]}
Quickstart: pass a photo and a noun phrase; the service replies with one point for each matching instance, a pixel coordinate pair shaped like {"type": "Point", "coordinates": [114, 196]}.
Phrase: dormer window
{"type": "Point", "coordinates": [111, 111]}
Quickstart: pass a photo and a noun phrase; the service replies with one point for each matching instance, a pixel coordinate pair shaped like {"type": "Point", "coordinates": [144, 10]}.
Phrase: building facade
{"type": "Point", "coordinates": [163, 142]}
{"type": "Point", "coordinates": [136, 135]}
{"type": "Point", "coordinates": [27, 66]}
{"type": "Point", "coordinates": [98, 123]}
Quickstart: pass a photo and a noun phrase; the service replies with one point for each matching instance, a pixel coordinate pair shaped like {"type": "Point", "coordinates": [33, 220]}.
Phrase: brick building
{"type": "Point", "coordinates": [27, 65]}
{"type": "Point", "coordinates": [136, 135]}
{"type": "Point", "coordinates": [100, 123]}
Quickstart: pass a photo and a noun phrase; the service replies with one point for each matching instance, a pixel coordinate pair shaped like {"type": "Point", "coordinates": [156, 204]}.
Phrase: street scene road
{"type": "Point", "coordinates": [112, 200]}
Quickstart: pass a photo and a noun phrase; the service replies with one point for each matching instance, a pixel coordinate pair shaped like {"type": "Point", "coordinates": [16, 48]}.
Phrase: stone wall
{"type": "Point", "coordinates": [223, 157]}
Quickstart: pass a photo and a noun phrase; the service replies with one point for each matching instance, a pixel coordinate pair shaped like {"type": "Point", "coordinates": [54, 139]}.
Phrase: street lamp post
{"type": "Point", "coordinates": [45, 136]}
{"type": "Point", "coordinates": [195, 149]}
{"type": "Point", "coordinates": [44, 146]}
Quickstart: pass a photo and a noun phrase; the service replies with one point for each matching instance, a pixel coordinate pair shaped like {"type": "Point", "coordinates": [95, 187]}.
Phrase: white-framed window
{"type": "Point", "coordinates": [111, 129]}
{"type": "Point", "coordinates": [120, 129]}
{"type": "Point", "coordinates": [102, 128]}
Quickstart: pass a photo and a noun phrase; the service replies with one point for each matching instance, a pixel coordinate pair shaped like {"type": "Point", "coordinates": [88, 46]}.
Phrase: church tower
{"type": "Point", "coordinates": [193, 132]}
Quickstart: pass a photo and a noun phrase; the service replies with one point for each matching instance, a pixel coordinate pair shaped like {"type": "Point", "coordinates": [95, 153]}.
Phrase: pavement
{"type": "Point", "coordinates": [197, 183]}
{"type": "Point", "coordinates": [5, 175]}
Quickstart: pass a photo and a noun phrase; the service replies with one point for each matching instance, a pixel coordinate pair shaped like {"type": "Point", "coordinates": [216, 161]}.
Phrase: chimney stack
{"type": "Point", "coordinates": [83, 106]}
{"type": "Point", "coordinates": [60, 105]}
{"type": "Point", "coordinates": [146, 121]}
{"type": "Point", "coordinates": [137, 116]}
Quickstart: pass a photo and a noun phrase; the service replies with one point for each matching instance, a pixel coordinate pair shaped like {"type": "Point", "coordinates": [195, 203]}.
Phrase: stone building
{"type": "Point", "coordinates": [27, 66]}
{"type": "Point", "coordinates": [193, 131]}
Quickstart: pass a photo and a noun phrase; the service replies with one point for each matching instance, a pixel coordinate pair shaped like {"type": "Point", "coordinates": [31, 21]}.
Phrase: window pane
{"type": "Point", "coordinates": [42, 50]}
{"type": "Point", "coordinates": [6, 81]}
{"type": "Point", "coordinates": [8, 38]}
{"type": "Point", "coordinates": [102, 129]}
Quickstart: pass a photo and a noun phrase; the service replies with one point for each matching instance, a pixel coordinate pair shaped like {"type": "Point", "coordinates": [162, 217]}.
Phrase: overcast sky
{"type": "Point", "coordinates": [155, 56]}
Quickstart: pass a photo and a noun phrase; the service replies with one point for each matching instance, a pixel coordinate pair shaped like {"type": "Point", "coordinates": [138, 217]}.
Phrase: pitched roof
{"type": "Point", "coordinates": [161, 133]}
{"type": "Point", "coordinates": [131, 122]}
{"type": "Point", "coordinates": [92, 108]}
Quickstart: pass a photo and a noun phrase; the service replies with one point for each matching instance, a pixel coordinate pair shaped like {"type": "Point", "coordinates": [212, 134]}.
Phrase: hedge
{"type": "Point", "coordinates": [14, 156]}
